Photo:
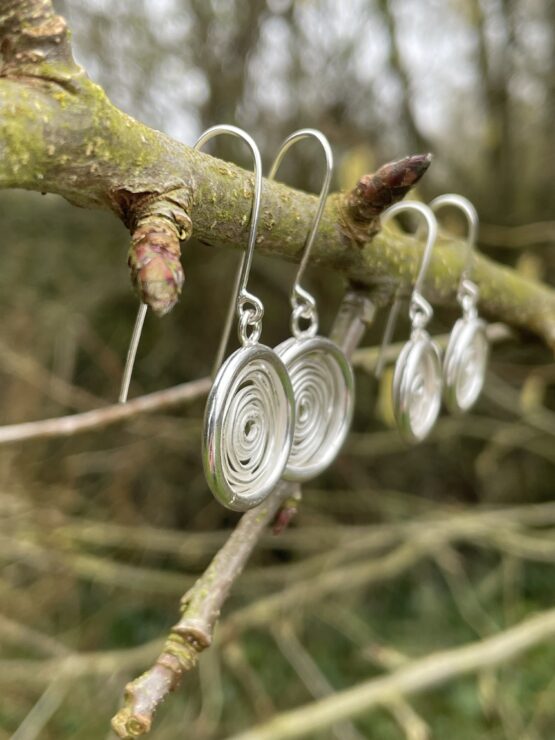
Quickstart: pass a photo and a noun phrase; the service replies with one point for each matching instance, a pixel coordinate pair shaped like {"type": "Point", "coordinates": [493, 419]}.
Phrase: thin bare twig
{"type": "Point", "coordinates": [310, 674]}
{"type": "Point", "coordinates": [67, 426]}
{"type": "Point", "coordinates": [39, 716]}
{"type": "Point", "coordinates": [200, 608]}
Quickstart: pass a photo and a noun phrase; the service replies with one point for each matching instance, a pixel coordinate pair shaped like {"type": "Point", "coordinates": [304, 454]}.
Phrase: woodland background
{"type": "Point", "coordinates": [100, 533]}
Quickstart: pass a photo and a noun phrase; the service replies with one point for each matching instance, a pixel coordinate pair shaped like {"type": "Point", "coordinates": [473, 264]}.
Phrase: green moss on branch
{"type": "Point", "coordinates": [59, 133]}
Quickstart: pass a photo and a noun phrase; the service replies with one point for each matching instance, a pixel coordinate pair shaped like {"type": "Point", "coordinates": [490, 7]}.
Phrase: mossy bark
{"type": "Point", "coordinates": [59, 133]}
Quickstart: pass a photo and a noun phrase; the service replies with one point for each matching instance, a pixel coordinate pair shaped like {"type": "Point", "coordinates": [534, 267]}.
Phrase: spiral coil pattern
{"type": "Point", "coordinates": [248, 427]}
{"type": "Point", "coordinates": [417, 387]}
{"type": "Point", "coordinates": [464, 367]}
{"type": "Point", "coordinates": [323, 387]}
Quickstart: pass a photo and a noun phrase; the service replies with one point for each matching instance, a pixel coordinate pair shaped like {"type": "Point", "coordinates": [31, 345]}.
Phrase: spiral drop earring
{"type": "Point", "coordinates": [417, 377]}
{"type": "Point", "coordinates": [322, 377]}
{"type": "Point", "coordinates": [249, 416]}
{"type": "Point", "coordinates": [466, 357]}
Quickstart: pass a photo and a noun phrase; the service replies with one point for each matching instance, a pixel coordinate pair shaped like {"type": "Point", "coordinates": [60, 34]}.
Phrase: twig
{"type": "Point", "coordinates": [200, 608]}
{"type": "Point", "coordinates": [518, 237]}
{"type": "Point", "coordinates": [36, 720]}
{"type": "Point", "coordinates": [20, 634]}
{"type": "Point", "coordinates": [435, 670]}
{"type": "Point", "coordinates": [32, 372]}
{"type": "Point", "coordinates": [249, 678]}
{"type": "Point", "coordinates": [310, 674]}
{"type": "Point", "coordinates": [202, 603]}
{"type": "Point", "coordinates": [481, 528]}
{"type": "Point", "coordinates": [354, 628]}
{"type": "Point", "coordinates": [484, 529]}
{"type": "Point", "coordinates": [67, 426]}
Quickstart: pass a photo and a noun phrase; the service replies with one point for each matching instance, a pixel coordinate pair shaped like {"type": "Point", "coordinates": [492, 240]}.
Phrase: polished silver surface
{"type": "Point", "coordinates": [464, 364]}
{"type": "Point", "coordinates": [248, 307]}
{"type": "Point", "coordinates": [249, 417]}
{"type": "Point", "coordinates": [248, 427]}
{"type": "Point", "coordinates": [323, 387]}
{"type": "Point", "coordinates": [322, 378]}
{"type": "Point", "coordinates": [418, 304]}
{"type": "Point", "coordinates": [417, 387]}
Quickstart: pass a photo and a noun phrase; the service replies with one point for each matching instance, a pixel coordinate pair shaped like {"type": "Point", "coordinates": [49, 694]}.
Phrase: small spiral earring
{"type": "Point", "coordinates": [249, 415]}
{"type": "Point", "coordinates": [466, 357]}
{"type": "Point", "coordinates": [322, 377]}
{"type": "Point", "coordinates": [417, 376]}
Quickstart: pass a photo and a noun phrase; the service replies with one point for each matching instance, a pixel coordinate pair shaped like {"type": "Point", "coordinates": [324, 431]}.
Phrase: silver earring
{"type": "Point", "coordinates": [465, 362]}
{"type": "Point", "coordinates": [417, 376]}
{"type": "Point", "coordinates": [322, 377]}
{"type": "Point", "coordinates": [249, 417]}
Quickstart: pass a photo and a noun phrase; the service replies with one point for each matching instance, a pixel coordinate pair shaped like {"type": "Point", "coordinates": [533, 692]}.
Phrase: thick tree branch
{"type": "Point", "coordinates": [59, 133]}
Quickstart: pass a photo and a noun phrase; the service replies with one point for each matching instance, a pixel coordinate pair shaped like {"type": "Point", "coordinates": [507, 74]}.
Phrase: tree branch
{"type": "Point", "coordinates": [59, 133]}
{"type": "Point", "coordinates": [434, 670]}
{"type": "Point", "coordinates": [200, 608]}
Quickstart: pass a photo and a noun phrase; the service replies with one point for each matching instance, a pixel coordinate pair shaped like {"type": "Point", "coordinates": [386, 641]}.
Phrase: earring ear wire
{"type": "Point", "coordinates": [468, 209]}
{"type": "Point", "coordinates": [465, 361]}
{"type": "Point", "coordinates": [321, 374]}
{"type": "Point", "coordinates": [418, 303]}
{"type": "Point", "coordinates": [250, 414]}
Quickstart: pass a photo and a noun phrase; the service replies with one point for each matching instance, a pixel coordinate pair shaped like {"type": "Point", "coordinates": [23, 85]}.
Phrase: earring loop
{"type": "Point", "coordinates": [321, 375]}
{"type": "Point", "coordinates": [249, 416]}
{"type": "Point", "coordinates": [417, 375]}
{"type": "Point", "coordinates": [465, 362]}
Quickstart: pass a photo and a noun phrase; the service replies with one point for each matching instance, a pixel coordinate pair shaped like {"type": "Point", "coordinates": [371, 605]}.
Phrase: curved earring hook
{"type": "Point", "coordinates": [300, 295]}
{"type": "Point", "coordinates": [420, 309]}
{"type": "Point", "coordinates": [248, 315]}
{"type": "Point", "coordinates": [463, 204]}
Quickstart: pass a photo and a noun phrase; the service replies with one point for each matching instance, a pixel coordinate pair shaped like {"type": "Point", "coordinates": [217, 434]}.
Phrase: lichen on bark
{"type": "Point", "coordinates": [60, 133]}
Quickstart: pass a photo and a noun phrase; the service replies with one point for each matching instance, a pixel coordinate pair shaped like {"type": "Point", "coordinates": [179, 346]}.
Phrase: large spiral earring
{"type": "Point", "coordinates": [322, 377]}
{"type": "Point", "coordinates": [417, 376]}
{"type": "Point", "coordinates": [466, 357]}
{"type": "Point", "coordinates": [249, 416]}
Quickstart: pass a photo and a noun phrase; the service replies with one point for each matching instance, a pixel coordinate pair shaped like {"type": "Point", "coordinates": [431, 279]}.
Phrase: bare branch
{"type": "Point", "coordinates": [200, 608]}
{"type": "Point", "coordinates": [67, 426]}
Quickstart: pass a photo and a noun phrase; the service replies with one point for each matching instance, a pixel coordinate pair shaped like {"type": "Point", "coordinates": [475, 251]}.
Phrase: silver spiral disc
{"type": "Point", "coordinates": [248, 427]}
{"type": "Point", "coordinates": [417, 387]}
{"type": "Point", "coordinates": [323, 386]}
{"type": "Point", "coordinates": [464, 366]}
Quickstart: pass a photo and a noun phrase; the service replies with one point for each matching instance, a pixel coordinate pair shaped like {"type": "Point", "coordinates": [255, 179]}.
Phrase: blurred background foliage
{"type": "Point", "coordinates": [101, 533]}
